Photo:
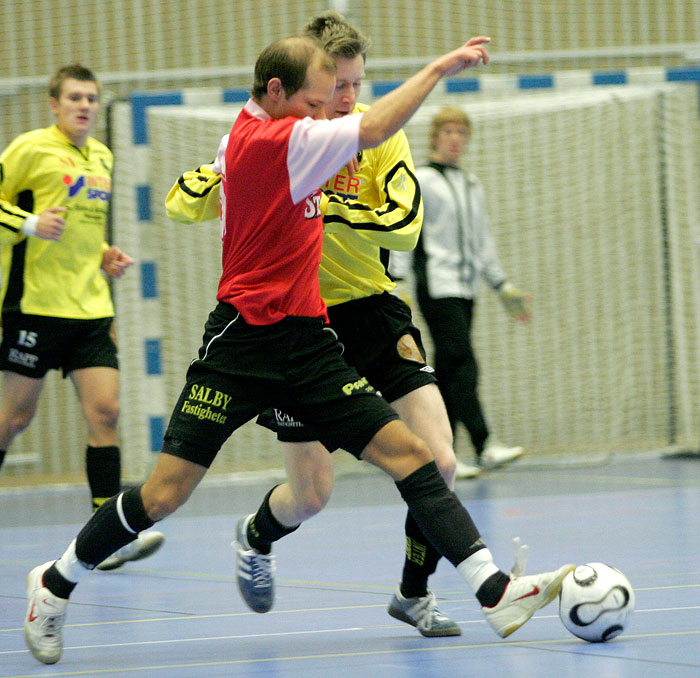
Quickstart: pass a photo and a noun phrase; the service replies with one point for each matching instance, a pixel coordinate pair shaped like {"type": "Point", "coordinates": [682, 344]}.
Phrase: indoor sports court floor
{"type": "Point", "coordinates": [179, 614]}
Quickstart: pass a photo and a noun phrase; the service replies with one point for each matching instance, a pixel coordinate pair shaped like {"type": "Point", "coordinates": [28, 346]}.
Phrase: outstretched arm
{"type": "Point", "coordinates": [393, 110]}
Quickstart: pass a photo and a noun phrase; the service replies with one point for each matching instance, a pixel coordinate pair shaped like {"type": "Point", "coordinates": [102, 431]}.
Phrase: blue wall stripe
{"type": "Point", "coordinates": [683, 74]}
{"type": "Point", "coordinates": [143, 202]}
{"type": "Point", "coordinates": [535, 81]}
{"type": "Point", "coordinates": [140, 101]}
{"type": "Point", "coordinates": [610, 78]}
{"type": "Point", "coordinates": [157, 428]}
{"type": "Point", "coordinates": [235, 96]}
{"type": "Point", "coordinates": [463, 85]}
{"type": "Point", "coordinates": [149, 280]}
{"type": "Point", "coordinates": [379, 89]}
{"type": "Point", "coordinates": [153, 361]}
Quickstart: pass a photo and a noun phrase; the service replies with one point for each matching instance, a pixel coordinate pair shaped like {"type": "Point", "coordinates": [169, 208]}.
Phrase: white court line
{"type": "Point", "coordinates": [349, 629]}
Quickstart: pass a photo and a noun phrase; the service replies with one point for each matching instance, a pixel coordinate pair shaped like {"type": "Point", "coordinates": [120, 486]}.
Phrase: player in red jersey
{"type": "Point", "coordinates": [266, 344]}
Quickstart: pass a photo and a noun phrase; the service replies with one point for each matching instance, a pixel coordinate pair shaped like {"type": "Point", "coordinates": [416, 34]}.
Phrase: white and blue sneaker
{"type": "Point", "coordinates": [422, 612]}
{"type": "Point", "coordinates": [254, 571]}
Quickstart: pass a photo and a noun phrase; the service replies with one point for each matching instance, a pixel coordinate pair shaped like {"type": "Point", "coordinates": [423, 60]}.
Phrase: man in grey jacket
{"type": "Point", "coordinates": [454, 250]}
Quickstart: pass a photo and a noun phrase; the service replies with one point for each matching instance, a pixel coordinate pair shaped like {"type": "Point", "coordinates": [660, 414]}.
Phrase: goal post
{"type": "Point", "coordinates": [590, 199]}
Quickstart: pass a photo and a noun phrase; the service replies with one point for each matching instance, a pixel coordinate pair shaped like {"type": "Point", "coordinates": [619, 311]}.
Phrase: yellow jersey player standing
{"type": "Point", "coordinates": [57, 311]}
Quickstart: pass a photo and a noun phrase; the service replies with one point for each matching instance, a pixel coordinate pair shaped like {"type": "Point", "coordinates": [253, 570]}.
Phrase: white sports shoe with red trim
{"type": "Point", "coordinates": [522, 598]}
{"type": "Point", "coordinates": [45, 616]}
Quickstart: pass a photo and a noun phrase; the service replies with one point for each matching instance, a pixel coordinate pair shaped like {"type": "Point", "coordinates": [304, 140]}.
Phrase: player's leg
{"type": "Point", "coordinates": [449, 321]}
{"type": "Point", "coordinates": [424, 412]}
{"type": "Point", "coordinates": [98, 392]}
{"type": "Point", "coordinates": [116, 523]}
{"type": "Point", "coordinates": [309, 484]}
{"type": "Point", "coordinates": [507, 602]}
{"type": "Point", "coordinates": [305, 493]}
{"type": "Point", "coordinates": [20, 397]}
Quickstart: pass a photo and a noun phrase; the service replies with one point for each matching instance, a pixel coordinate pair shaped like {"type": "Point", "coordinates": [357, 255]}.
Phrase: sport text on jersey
{"type": "Point", "coordinates": [98, 188]}
{"type": "Point", "coordinates": [204, 402]}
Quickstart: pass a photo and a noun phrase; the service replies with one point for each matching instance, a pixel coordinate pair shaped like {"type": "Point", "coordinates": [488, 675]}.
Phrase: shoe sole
{"type": "Point", "coordinates": [550, 592]}
{"type": "Point", "coordinates": [494, 465]}
{"type": "Point", "coordinates": [149, 550]}
{"type": "Point", "coordinates": [437, 633]}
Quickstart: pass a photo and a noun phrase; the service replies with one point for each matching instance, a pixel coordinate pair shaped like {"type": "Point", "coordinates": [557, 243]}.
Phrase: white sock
{"type": "Point", "coordinates": [69, 567]}
{"type": "Point", "coordinates": [477, 568]}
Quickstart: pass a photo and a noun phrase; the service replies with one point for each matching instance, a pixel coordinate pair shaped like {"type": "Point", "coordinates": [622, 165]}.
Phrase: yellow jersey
{"type": "Point", "coordinates": [63, 278]}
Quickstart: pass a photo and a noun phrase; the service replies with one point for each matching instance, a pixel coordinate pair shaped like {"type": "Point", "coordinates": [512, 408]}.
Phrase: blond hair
{"type": "Point", "coordinates": [444, 116]}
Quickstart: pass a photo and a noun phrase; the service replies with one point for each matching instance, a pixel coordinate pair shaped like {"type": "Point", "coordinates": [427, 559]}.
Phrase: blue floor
{"type": "Point", "coordinates": [179, 614]}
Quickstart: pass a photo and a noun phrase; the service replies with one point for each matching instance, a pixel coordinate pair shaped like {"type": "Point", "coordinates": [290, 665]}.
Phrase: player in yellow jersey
{"type": "Point", "coordinates": [57, 312]}
{"type": "Point", "coordinates": [370, 209]}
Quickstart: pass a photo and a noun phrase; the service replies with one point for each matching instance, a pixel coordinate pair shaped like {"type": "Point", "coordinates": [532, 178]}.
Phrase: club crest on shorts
{"type": "Point", "coordinates": [408, 349]}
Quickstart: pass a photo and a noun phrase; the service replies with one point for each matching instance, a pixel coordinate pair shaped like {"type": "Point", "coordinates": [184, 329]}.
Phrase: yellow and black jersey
{"type": "Point", "coordinates": [62, 279]}
{"type": "Point", "coordinates": [195, 196]}
{"type": "Point", "coordinates": [378, 208]}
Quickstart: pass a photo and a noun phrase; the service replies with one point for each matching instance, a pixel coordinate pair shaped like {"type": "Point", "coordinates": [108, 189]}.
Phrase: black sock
{"type": "Point", "coordinates": [439, 514]}
{"type": "Point", "coordinates": [491, 591]}
{"type": "Point", "coordinates": [264, 528]}
{"type": "Point", "coordinates": [421, 561]}
{"type": "Point", "coordinates": [55, 582]}
{"type": "Point", "coordinates": [2, 456]}
{"type": "Point", "coordinates": [103, 467]}
{"type": "Point", "coordinates": [104, 533]}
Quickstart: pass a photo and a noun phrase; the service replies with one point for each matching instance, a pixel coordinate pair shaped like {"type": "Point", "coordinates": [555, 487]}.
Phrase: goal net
{"type": "Point", "coordinates": [156, 47]}
{"type": "Point", "coordinates": [594, 211]}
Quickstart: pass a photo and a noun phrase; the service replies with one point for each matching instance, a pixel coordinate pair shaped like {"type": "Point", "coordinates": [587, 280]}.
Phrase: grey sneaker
{"type": "Point", "coordinates": [254, 571]}
{"type": "Point", "coordinates": [522, 598]}
{"type": "Point", "coordinates": [43, 623]}
{"type": "Point", "coordinates": [145, 544]}
{"type": "Point", "coordinates": [422, 612]}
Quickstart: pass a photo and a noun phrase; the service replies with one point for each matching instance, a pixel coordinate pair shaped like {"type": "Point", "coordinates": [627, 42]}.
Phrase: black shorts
{"type": "Point", "coordinates": [34, 344]}
{"type": "Point", "coordinates": [293, 365]}
{"type": "Point", "coordinates": [381, 342]}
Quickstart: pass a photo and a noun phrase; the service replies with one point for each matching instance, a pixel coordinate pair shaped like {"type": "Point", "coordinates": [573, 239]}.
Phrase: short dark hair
{"type": "Point", "coordinates": [338, 37]}
{"type": "Point", "coordinates": [75, 71]}
{"type": "Point", "coordinates": [289, 59]}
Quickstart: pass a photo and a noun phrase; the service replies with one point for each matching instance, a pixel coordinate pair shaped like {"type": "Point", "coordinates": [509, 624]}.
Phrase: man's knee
{"type": "Point", "coordinates": [159, 502]}
{"type": "Point", "coordinates": [396, 450]}
{"type": "Point", "coordinates": [105, 413]}
{"type": "Point", "coordinates": [18, 421]}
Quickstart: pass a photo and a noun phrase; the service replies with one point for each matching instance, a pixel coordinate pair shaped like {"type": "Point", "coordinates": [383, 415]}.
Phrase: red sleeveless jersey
{"type": "Point", "coordinates": [272, 226]}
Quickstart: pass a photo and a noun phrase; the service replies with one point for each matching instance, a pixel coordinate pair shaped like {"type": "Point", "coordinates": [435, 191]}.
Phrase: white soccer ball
{"type": "Point", "coordinates": [595, 602]}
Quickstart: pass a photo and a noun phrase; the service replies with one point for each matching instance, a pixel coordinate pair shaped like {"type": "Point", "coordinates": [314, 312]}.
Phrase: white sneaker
{"type": "Point", "coordinates": [145, 544]}
{"type": "Point", "coordinates": [44, 620]}
{"type": "Point", "coordinates": [464, 471]}
{"type": "Point", "coordinates": [522, 598]}
{"type": "Point", "coordinates": [497, 454]}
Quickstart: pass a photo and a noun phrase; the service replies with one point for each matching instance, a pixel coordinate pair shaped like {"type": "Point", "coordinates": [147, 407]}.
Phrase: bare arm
{"type": "Point", "coordinates": [393, 110]}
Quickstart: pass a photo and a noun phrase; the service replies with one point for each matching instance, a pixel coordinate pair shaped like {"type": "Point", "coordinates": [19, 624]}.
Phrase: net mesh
{"type": "Point", "coordinates": [593, 207]}
{"type": "Point", "coordinates": [592, 213]}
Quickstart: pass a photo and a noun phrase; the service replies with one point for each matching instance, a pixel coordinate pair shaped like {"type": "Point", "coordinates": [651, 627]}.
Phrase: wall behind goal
{"type": "Point", "coordinates": [170, 44]}
{"type": "Point", "coordinates": [590, 201]}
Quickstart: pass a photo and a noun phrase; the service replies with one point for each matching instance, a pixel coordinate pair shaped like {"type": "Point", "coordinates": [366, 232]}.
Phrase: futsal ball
{"type": "Point", "coordinates": [595, 602]}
